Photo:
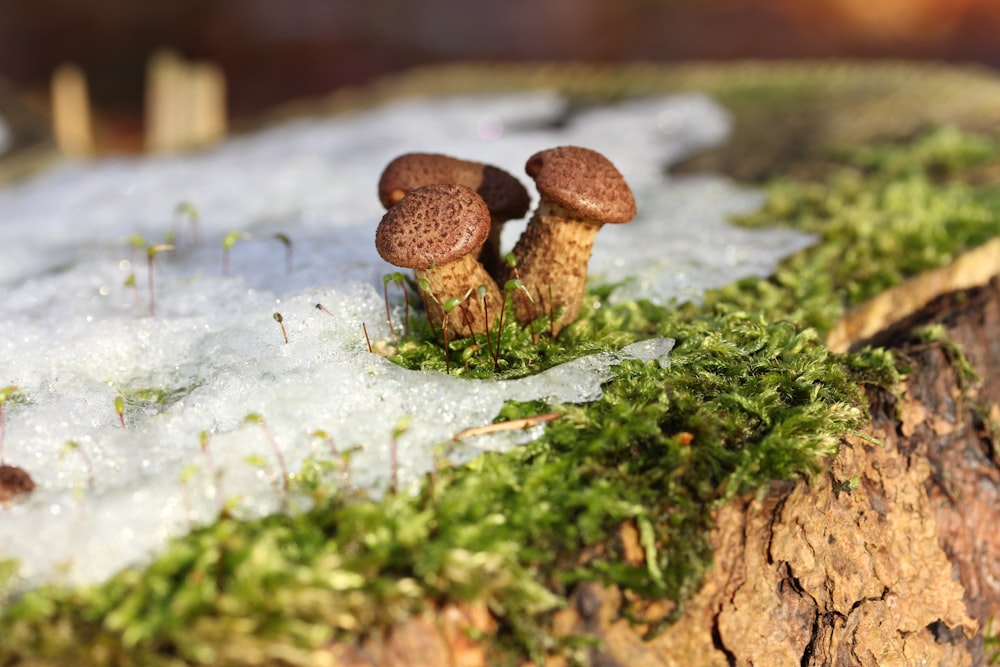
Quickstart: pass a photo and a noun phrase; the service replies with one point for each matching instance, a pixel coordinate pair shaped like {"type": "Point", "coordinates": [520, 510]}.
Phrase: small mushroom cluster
{"type": "Point", "coordinates": [444, 217]}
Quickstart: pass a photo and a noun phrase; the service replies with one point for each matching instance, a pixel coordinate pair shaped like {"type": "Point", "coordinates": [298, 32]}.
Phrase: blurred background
{"type": "Point", "coordinates": [271, 52]}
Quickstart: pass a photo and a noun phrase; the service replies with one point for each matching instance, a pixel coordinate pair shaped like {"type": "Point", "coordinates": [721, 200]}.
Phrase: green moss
{"type": "Point", "coordinates": [523, 351]}
{"type": "Point", "coordinates": [749, 395]}
{"type": "Point", "coordinates": [891, 212]}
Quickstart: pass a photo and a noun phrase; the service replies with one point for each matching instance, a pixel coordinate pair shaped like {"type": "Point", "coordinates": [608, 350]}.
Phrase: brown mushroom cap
{"type": "Point", "coordinates": [14, 482]}
{"type": "Point", "coordinates": [505, 196]}
{"type": "Point", "coordinates": [433, 225]}
{"type": "Point", "coordinates": [583, 182]}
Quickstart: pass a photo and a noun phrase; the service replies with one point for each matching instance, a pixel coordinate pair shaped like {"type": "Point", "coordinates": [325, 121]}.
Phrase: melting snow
{"type": "Point", "coordinates": [73, 335]}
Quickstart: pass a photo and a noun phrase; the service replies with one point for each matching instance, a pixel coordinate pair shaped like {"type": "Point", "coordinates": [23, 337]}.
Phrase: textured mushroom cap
{"type": "Point", "coordinates": [14, 481]}
{"type": "Point", "coordinates": [433, 225]}
{"type": "Point", "coordinates": [505, 196]}
{"type": "Point", "coordinates": [582, 181]}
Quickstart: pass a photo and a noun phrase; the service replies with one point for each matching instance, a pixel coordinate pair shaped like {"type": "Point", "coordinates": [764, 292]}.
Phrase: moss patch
{"type": "Point", "coordinates": [749, 395]}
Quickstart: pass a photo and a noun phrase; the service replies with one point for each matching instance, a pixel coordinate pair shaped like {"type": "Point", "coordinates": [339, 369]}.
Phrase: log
{"type": "Point", "coordinates": [890, 557]}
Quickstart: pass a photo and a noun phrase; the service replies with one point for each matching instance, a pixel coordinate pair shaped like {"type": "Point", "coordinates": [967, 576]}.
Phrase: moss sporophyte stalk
{"type": "Point", "coordinates": [749, 395]}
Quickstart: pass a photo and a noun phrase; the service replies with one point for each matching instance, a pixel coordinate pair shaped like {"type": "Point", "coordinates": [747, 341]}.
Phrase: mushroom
{"type": "Point", "coordinates": [437, 230]}
{"type": "Point", "coordinates": [580, 190]}
{"type": "Point", "coordinates": [505, 196]}
{"type": "Point", "coordinates": [14, 482]}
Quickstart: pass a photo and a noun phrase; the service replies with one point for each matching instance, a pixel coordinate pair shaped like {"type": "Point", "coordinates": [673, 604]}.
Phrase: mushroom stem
{"type": "Point", "coordinates": [454, 279]}
{"type": "Point", "coordinates": [552, 257]}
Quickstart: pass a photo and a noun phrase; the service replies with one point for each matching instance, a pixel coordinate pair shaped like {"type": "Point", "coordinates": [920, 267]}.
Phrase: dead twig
{"type": "Point", "coordinates": [511, 425]}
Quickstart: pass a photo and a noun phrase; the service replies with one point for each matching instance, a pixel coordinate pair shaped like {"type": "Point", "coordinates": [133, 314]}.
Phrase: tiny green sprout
{"type": "Point", "coordinates": [343, 458]}
{"type": "Point", "coordinates": [386, 279]}
{"type": "Point", "coordinates": [281, 323]}
{"type": "Point", "coordinates": [287, 242]}
{"type": "Point", "coordinates": [170, 237]}
{"type": "Point", "coordinates": [522, 292]}
{"type": "Point", "coordinates": [256, 460]}
{"type": "Point", "coordinates": [74, 446]}
{"type": "Point", "coordinates": [120, 409]}
{"type": "Point", "coordinates": [516, 284]}
{"type": "Point", "coordinates": [154, 250]}
{"type": "Point", "coordinates": [255, 418]}
{"type": "Point", "coordinates": [448, 306]}
{"type": "Point", "coordinates": [5, 393]}
{"type": "Point", "coordinates": [188, 473]}
{"type": "Point", "coordinates": [130, 283]}
{"type": "Point", "coordinates": [231, 239]}
{"type": "Point", "coordinates": [186, 209]}
{"type": "Point", "coordinates": [400, 282]}
{"type": "Point", "coordinates": [401, 426]}
{"type": "Point", "coordinates": [510, 260]}
{"type": "Point", "coordinates": [320, 307]}
{"type": "Point", "coordinates": [138, 242]}
{"type": "Point", "coordinates": [214, 473]}
{"type": "Point", "coordinates": [151, 253]}
{"type": "Point", "coordinates": [481, 291]}
{"type": "Point", "coordinates": [425, 287]}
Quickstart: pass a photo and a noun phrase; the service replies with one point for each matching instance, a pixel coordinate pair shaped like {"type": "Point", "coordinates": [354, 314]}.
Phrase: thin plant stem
{"type": "Point", "coordinates": [489, 342]}
{"type": "Point", "coordinates": [88, 464]}
{"type": "Point", "coordinates": [503, 308]}
{"type": "Point", "coordinates": [531, 320]}
{"type": "Point", "coordinates": [214, 474]}
{"type": "Point", "coordinates": [120, 409]}
{"type": "Point", "coordinates": [287, 242]}
{"type": "Point", "coordinates": [3, 434]}
{"type": "Point", "coordinates": [552, 319]}
{"type": "Point", "coordinates": [388, 313]}
{"type": "Point", "coordinates": [447, 359]}
{"type": "Point", "coordinates": [343, 458]}
{"type": "Point", "coordinates": [281, 323]}
{"type": "Point", "coordinates": [406, 302]}
{"type": "Point", "coordinates": [399, 429]}
{"type": "Point", "coordinates": [468, 321]}
{"type": "Point", "coordinates": [367, 339]}
{"type": "Point", "coordinates": [151, 253]}
{"type": "Point", "coordinates": [255, 418]}
{"type": "Point", "coordinates": [152, 291]}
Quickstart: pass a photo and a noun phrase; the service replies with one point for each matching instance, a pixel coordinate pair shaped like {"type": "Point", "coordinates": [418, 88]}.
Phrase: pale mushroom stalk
{"type": "Point", "coordinates": [454, 279]}
{"type": "Point", "coordinates": [552, 255]}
